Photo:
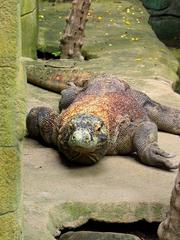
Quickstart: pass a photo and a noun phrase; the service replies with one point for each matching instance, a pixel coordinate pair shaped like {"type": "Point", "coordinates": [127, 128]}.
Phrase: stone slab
{"type": "Point", "coordinates": [97, 236]}
{"type": "Point", "coordinates": [123, 41]}
{"type": "Point", "coordinates": [120, 182]}
{"type": "Point", "coordinates": [117, 188]}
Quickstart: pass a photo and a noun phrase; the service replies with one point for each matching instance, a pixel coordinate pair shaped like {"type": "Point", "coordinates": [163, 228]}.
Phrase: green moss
{"type": "Point", "coordinates": [28, 6]}
{"type": "Point", "coordinates": [7, 110]}
{"type": "Point", "coordinates": [10, 227]}
{"type": "Point", "coordinates": [29, 35]}
{"type": "Point", "coordinates": [76, 210]}
{"type": "Point", "coordinates": [121, 40]}
{"type": "Point", "coordinates": [9, 179]}
{"type": "Point", "coordinates": [29, 23]}
{"type": "Point", "coordinates": [10, 77]}
{"type": "Point", "coordinates": [8, 34]}
{"type": "Point", "coordinates": [75, 214]}
{"type": "Point", "coordinates": [153, 211]}
{"type": "Point", "coordinates": [20, 102]}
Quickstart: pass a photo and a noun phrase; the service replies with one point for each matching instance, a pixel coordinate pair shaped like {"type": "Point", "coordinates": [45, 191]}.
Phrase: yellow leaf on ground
{"type": "Point", "coordinates": [99, 18]}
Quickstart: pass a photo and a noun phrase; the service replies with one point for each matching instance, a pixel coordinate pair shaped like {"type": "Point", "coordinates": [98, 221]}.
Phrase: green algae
{"type": "Point", "coordinates": [119, 37]}
{"type": "Point", "coordinates": [74, 214]}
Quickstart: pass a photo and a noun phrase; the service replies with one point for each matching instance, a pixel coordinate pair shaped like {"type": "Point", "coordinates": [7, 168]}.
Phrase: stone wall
{"type": "Point", "coordinates": [12, 112]}
{"type": "Point", "coordinates": [29, 19]}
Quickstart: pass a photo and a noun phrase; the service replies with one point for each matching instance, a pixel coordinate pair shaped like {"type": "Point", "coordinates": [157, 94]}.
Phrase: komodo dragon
{"type": "Point", "coordinates": [106, 117]}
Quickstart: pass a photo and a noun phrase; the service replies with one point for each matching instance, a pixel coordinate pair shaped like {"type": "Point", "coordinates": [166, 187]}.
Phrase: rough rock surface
{"type": "Point", "coordinates": [117, 189]}
{"type": "Point", "coordinates": [97, 235]}
{"type": "Point", "coordinates": [29, 23]}
{"type": "Point", "coordinates": [121, 42]}
{"type": "Point", "coordinates": [12, 127]}
{"type": "Point", "coordinates": [169, 229]}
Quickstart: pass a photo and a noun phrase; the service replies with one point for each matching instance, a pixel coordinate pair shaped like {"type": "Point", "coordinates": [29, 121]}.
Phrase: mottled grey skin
{"type": "Point", "coordinates": [106, 117]}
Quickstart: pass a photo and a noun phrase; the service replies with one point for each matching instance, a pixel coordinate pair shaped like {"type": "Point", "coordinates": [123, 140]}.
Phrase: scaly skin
{"type": "Point", "coordinates": [107, 117]}
{"type": "Point", "coordinates": [55, 75]}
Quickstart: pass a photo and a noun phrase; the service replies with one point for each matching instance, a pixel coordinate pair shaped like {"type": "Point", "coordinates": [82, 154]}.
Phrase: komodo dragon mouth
{"type": "Point", "coordinates": [86, 138]}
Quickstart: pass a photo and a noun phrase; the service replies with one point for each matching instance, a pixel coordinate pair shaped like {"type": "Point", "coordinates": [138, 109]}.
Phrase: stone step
{"type": "Point", "coordinates": [87, 235]}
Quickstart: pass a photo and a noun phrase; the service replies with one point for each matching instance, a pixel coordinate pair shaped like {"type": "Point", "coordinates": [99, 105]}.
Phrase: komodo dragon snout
{"type": "Point", "coordinates": [86, 137]}
{"type": "Point", "coordinates": [87, 133]}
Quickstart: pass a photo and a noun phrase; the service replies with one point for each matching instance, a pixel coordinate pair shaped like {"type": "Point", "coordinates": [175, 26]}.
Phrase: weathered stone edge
{"type": "Point", "coordinates": [74, 214]}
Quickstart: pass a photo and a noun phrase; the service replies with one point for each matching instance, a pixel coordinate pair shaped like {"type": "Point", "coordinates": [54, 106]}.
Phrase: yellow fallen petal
{"type": "Point", "coordinates": [123, 35]}
{"type": "Point", "coordinates": [127, 22]}
{"type": "Point", "coordinates": [137, 20]}
{"type": "Point", "coordinates": [99, 18]}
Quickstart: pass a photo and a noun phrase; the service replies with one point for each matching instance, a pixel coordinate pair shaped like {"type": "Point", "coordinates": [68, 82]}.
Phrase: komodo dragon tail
{"type": "Point", "coordinates": [55, 76]}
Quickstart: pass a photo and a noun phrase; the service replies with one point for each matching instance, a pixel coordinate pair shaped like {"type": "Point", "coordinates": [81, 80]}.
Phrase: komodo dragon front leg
{"type": "Point", "coordinates": [68, 95]}
{"type": "Point", "coordinates": [166, 118]}
{"type": "Point", "coordinates": [149, 153]}
{"type": "Point", "coordinates": [41, 124]}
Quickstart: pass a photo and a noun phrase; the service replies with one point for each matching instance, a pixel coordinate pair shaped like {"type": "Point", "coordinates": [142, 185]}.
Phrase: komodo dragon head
{"type": "Point", "coordinates": [84, 139]}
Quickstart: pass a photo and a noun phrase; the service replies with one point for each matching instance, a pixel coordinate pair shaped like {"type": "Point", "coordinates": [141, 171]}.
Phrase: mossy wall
{"type": "Point", "coordinates": [12, 112]}
{"type": "Point", "coordinates": [29, 19]}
